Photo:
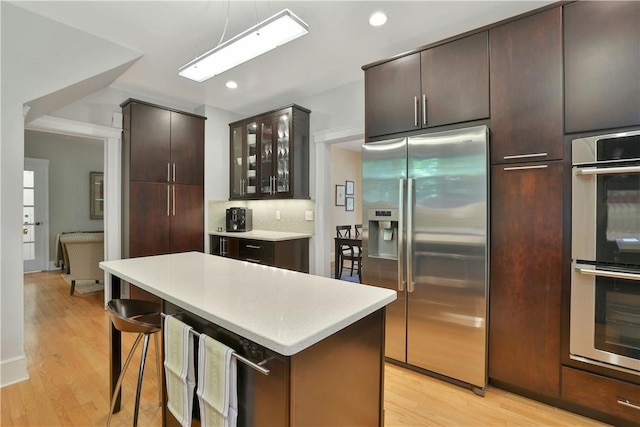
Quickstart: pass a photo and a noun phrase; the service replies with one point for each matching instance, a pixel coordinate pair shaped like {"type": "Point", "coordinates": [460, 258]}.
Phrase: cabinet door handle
{"type": "Point", "coordinates": [625, 402]}
{"type": "Point", "coordinates": [257, 261]}
{"type": "Point", "coordinates": [168, 200]}
{"type": "Point", "coordinates": [174, 199]}
{"type": "Point", "coordinates": [168, 172]}
{"type": "Point", "coordinates": [519, 168]}
{"type": "Point", "coordinates": [525, 156]}
{"type": "Point", "coordinates": [174, 172]}
{"type": "Point", "coordinates": [415, 111]}
{"type": "Point", "coordinates": [424, 109]}
{"type": "Point", "coordinates": [253, 247]}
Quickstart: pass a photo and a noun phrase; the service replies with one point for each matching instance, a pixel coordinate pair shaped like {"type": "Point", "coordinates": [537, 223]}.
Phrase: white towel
{"type": "Point", "coordinates": [179, 371]}
{"type": "Point", "coordinates": [217, 384]}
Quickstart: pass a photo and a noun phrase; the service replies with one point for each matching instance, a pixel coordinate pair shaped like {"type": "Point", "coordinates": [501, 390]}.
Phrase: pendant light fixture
{"type": "Point", "coordinates": [275, 31]}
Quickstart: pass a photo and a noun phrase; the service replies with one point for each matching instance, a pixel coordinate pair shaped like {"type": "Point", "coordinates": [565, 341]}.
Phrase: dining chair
{"type": "Point", "coordinates": [358, 249]}
{"type": "Point", "coordinates": [347, 252]}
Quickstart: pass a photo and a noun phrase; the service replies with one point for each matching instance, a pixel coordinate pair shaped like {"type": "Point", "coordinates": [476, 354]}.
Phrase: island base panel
{"type": "Point", "coordinates": [339, 380]}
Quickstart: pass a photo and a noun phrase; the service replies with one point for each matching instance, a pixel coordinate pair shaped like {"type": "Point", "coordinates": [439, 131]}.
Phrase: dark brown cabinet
{"type": "Point", "coordinates": [269, 155]}
{"type": "Point", "coordinates": [602, 65]}
{"type": "Point", "coordinates": [163, 180]}
{"type": "Point", "coordinates": [611, 397]}
{"type": "Point", "coordinates": [526, 276]}
{"type": "Point", "coordinates": [289, 254]}
{"type": "Point", "coordinates": [455, 81]}
{"type": "Point", "coordinates": [438, 86]}
{"type": "Point", "coordinates": [392, 95]}
{"type": "Point", "coordinates": [526, 89]}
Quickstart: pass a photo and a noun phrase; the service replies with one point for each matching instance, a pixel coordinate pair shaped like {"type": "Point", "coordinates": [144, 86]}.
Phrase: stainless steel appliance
{"type": "Point", "coordinates": [239, 219]}
{"type": "Point", "coordinates": [425, 198]}
{"type": "Point", "coordinates": [605, 251]}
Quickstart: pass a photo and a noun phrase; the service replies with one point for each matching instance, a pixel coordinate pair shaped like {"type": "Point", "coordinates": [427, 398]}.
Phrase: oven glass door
{"type": "Point", "coordinates": [618, 217]}
{"type": "Point", "coordinates": [617, 316]}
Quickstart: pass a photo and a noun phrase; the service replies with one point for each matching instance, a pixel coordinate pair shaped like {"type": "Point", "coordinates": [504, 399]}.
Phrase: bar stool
{"type": "Point", "coordinates": [141, 317]}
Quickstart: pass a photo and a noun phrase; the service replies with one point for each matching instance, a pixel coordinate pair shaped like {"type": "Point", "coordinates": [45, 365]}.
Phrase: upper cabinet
{"type": "Point", "coordinates": [602, 65]}
{"type": "Point", "coordinates": [168, 145]}
{"type": "Point", "coordinates": [446, 84]}
{"type": "Point", "coordinates": [455, 81]}
{"type": "Point", "coordinates": [526, 89]}
{"type": "Point", "coordinates": [270, 155]}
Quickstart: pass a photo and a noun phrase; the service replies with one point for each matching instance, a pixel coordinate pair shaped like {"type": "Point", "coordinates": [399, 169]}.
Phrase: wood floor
{"type": "Point", "coordinates": [66, 344]}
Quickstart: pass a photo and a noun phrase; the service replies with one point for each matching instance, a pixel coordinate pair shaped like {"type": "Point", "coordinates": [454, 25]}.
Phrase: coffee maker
{"type": "Point", "coordinates": [239, 219]}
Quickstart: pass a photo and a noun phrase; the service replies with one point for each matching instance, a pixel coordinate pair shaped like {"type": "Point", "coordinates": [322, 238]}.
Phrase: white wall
{"type": "Point", "coordinates": [216, 158]}
{"type": "Point", "coordinates": [39, 57]}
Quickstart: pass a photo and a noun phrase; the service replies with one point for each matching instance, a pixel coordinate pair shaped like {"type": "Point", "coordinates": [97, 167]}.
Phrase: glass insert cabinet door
{"type": "Point", "coordinates": [282, 176]}
{"type": "Point", "coordinates": [266, 157]}
{"type": "Point", "coordinates": [251, 160]}
{"type": "Point", "coordinates": [244, 149]}
{"type": "Point", "coordinates": [275, 154]}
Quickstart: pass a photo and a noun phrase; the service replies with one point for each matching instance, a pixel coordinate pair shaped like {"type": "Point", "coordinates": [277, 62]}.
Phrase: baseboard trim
{"type": "Point", "coordinates": [13, 371]}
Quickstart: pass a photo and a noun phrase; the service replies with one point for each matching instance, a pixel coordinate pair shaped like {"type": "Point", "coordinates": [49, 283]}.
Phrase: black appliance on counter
{"type": "Point", "coordinates": [239, 219]}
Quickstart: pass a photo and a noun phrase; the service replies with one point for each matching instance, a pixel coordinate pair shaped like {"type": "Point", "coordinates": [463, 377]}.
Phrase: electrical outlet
{"type": "Point", "coordinates": [278, 215]}
{"type": "Point", "coordinates": [308, 215]}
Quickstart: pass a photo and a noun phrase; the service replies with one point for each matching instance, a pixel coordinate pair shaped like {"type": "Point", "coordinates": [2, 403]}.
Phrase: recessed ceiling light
{"type": "Point", "coordinates": [377, 19]}
{"type": "Point", "coordinates": [231, 84]}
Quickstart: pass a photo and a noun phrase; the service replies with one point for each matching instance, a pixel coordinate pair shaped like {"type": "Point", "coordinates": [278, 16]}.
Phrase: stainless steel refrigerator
{"type": "Point", "coordinates": [425, 235]}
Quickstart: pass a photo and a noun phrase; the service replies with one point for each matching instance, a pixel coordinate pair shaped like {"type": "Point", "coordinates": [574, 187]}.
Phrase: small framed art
{"type": "Point", "coordinates": [349, 206]}
{"type": "Point", "coordinates": [349, 191]}
{"type": "Point", "coordinates": [339, 195]}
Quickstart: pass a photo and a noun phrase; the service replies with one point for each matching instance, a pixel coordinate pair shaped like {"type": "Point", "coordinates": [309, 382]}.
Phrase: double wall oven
{"type": "Point", "coordinates": [605, 251]}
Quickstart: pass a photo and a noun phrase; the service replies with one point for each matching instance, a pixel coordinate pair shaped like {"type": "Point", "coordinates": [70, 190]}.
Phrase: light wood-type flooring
{"type": "Point", "coordinates": [66, 344]}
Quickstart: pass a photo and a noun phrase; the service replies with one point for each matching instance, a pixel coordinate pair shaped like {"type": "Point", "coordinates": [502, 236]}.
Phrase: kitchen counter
{"type": "Point", "coordinates": [273, 236]}
{"type": "Point", "coordinates": [282, 310]}
{"type": "Point", "coordinates": [312, 338]}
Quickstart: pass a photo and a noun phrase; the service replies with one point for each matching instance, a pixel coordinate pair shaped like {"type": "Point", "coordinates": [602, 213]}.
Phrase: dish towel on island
{"type": "Point", "coordinates": [179, 369]}
{"type": "Point", "coordinates": [217, 384]}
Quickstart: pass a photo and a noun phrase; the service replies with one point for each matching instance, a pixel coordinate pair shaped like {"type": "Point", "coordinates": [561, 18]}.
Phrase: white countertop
{"type": "Point", "coordinates": [274, 236]}
{"type": "Point", "coordinates": [282, 310]}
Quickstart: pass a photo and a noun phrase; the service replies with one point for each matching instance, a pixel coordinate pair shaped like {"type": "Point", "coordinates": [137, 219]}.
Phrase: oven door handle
{"type": "Point", "coordinates": [608, 171]}
{"type": "Point", "coordinates": [607, 273]}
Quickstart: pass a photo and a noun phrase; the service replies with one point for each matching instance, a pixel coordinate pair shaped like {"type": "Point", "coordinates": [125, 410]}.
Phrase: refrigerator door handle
{"type": "Point", "coordinates": [401, 279]}
{"type": "Point", "coordinates": [410, 284]}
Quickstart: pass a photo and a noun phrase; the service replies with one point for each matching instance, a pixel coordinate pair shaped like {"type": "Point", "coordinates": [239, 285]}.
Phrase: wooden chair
{"type": "Point", "coordinates": [358, 250]}
{"type": "Point", "coordinates": [347, 252]}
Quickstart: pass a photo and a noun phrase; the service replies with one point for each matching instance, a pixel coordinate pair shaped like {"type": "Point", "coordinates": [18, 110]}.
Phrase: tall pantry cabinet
{"type": "Point", "coordinates": [526, 203]}
{"type": "Point", "coordinates": [162, 180]}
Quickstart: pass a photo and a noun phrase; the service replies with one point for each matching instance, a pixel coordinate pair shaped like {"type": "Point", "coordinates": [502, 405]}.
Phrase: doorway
{"type": "Point", "coordinates": [35, 211]}
{"type": "Point", "coordinates": [325, 193]}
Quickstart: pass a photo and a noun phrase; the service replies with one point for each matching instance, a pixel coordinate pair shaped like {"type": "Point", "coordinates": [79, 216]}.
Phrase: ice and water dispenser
{"type": "Point", "coordinates": [383, 233]}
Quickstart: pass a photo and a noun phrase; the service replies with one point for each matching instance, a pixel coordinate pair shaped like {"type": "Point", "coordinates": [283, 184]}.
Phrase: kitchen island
{"type": "Point", "coordinates": [321, 340]}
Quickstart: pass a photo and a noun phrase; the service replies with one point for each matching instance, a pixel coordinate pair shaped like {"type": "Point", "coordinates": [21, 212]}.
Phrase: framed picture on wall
{"type": "Point", "coordinates": [349, 188]}
{"type": "Point", "coordinates": [349, 204]}
{"type": "Point", "coordinates": [339, 195]}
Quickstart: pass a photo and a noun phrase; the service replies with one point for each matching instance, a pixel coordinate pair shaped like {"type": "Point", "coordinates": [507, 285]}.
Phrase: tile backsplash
{"type": "Point", "coordinates": [292, 214]}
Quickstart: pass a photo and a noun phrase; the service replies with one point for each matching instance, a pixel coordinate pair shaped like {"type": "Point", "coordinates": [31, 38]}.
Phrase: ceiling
{"type": "Point", "coordinates": [339, 43]}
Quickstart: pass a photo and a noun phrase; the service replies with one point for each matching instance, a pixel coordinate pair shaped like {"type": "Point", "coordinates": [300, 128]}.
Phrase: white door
{"type": "Point", "coordinates": [35, 221]}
